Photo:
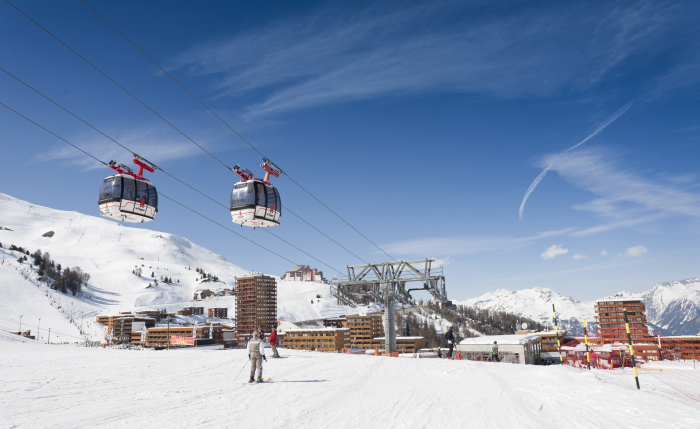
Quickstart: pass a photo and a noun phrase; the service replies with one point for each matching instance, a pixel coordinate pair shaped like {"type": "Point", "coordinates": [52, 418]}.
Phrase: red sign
{"type": "Point", "coordinates": [181, 341]}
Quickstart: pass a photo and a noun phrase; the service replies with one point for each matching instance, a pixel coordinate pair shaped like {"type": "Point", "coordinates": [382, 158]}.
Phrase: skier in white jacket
{"type": "Point", "coordinates": [256, 354]}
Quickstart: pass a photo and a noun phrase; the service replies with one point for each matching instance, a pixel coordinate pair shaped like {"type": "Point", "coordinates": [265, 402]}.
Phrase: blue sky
{"type": "Point", "coordinates": [522, 144]}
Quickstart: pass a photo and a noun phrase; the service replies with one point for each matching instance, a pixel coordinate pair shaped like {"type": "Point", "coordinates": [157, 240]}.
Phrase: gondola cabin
{"type": "Point", "coordinates": [255, 202]}
{"type": "Point", "coordinates": [129, 197]}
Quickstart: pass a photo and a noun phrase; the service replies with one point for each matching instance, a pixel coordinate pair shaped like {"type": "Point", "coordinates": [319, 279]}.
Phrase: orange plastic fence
{"type": "Point", "coordinates": [672, 361]}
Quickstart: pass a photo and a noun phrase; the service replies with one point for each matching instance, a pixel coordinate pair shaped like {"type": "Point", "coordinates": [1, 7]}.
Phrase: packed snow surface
{"type": "Point", "coordinates": [52, 386]}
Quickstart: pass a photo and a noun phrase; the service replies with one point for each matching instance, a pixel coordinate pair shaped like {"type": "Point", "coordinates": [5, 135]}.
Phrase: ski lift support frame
{"type": "Point", "coordinates": [385, 282]}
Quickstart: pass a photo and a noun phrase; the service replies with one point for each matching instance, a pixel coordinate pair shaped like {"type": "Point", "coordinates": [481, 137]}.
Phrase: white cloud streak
{"type": "Point", "coordinates": [148, 141]}
{"type": "Point", "coordinates": [553, 251]}
{"type": "Point", "coordinates": [636, 251]}
{"type": "Point", "coordinates": [600, 128]}
{"type": "Point", "coordinates": [579, 256]}
{"type": "Point", "coordinates": [467, 245]}
{"type": "Point", "coordinates": [622, 194]}
{"type": "Point", "coordinates": [333, 57]}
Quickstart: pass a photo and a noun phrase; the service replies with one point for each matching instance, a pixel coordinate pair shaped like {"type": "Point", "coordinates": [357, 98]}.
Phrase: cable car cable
{"type": "Point", "coordinates": [112, 80]}
{"type": "Point", "coordinates": [160, 193]}
{"type": "Point", "coordinates": [322, 233]}
{"type": "Point", "coordinates": [181, 132]}
{"type": "Point", "coordinates": [129, 150]}
{"type": "Point", "coordinates": [234, 131]}
{"type": "Point", "coordinates": [57, 136]}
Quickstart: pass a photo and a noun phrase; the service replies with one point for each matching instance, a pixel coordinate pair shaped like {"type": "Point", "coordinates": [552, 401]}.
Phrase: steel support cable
{"type": "Point", "coordinates": [161, 194]}
{"type": "Point", "coordinates": [234, 131]}
{"type": "Point", "coordinates": [114, 82]}
{"type": "Point", "coordinates": [58, 137]}
{"type": "Point", "coordinates": [129, 150]}
{"type": "Point", "coordinates": [105, 135]}
{"type": "Point", "coordinates": [163, 119]}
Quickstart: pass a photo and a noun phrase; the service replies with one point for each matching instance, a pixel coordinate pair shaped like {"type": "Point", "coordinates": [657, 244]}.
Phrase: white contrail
{"type": "Point", "coordinates": [600, 128]}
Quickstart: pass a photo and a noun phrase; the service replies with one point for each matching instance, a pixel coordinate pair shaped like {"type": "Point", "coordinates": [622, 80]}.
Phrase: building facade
{"type": "Point", "coordinates": [524, 349]}
{"type": "Point", "coordinates": [303, 273]}
{"type": "Point", "coordinates": [319, 339]}
{"type": "Point", "coordinates": [219, 313]}
{"type": "Point", "coordinates": [119, 327]}
{"type": "Point", "coordinates": [549, 340]}
{"type": "Point", "coordinates": [160, 337]}
{"type": "Point", "coordinates": [364, 329]}
{"type": "Point", "coordinates": [610, 319]}
{"type": "Point", "coordinates": [256, 305]}
{"type": "Point", "coordinates": [191, 311]}
{"type": "Point", "coordinates": [403, 344]}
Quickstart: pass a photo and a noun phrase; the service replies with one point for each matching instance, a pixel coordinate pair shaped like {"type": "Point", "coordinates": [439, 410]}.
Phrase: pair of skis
{"type": "Point", "coordinates": [258, 382]}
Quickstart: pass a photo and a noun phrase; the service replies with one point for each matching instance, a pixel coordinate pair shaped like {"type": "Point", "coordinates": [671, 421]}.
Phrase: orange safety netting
{"type": "Point", "coordinates": [670, 360]}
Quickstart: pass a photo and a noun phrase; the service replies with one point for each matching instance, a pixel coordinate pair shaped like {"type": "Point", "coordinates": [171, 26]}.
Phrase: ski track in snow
{"type": "Point", "coordinates": [67, 386]}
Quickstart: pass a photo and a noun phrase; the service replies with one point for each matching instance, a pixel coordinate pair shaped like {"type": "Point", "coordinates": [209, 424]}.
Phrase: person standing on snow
{"type": "Point", "coordinates": [450, 337]}
{"type": "Point", "coordinates": [494, 352]}
{"type": "Point", "coordinates": [261, 334]}
{"type": "Point", "coordinates": [256, 354]}
{"type": "Point", "coordinates": [273, 342]}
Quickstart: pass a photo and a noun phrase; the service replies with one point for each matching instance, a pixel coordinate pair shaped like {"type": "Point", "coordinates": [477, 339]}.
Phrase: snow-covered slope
{"type": "Point", "coordinates": [77, 387]}
{"type": "Point", "coordinates": [536, 304]}
{"type": "Point", "coordinates": [110, 253]}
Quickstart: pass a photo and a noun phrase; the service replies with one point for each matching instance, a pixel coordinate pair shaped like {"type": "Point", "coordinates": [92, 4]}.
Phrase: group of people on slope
{"type": "Point", "coordinates": [450, 337]}
{"type": "Point", "coordinates": [256, 352]}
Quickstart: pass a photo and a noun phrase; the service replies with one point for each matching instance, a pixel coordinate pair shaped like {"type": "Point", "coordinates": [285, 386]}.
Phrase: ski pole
{"type": "Point", "coordinates": [239, 372]}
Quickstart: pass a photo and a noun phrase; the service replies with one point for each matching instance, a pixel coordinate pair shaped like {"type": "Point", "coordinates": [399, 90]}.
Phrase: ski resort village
{"type": "Point", "coordinates": [327, 214]}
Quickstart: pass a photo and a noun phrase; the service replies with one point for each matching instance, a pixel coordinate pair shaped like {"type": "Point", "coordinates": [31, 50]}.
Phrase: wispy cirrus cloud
{"type": "Point", "coordinates": [149, 142]}
{"type": "Point", "coordinates": [598, 129]}
{"type": "Point", "coordinates": [339, 56]}
{"type": "Point", "coordinates": [624, 198]}
{"type": "Point", "coordinates": [467, 245]}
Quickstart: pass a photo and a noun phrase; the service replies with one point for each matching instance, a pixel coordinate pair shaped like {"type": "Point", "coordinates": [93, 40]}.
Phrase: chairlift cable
{"type": "Point", "coordinates": [231, 128]}
{"type": "Point", "coordinates": [177, 129]}
{"type": "Point", "coordinates": [76, 147]}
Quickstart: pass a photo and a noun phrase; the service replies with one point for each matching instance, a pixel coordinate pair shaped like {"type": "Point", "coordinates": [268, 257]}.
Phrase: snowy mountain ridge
{"type": "Point", "coordinates": [536, 304]}
{"type": "Point", "coordinates": [673, 307]}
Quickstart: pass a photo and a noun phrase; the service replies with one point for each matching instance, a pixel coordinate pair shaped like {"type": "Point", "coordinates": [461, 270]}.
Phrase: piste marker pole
{"type": "Point", "coordinates": [554, 312]}
{"type": "Point", "coordinates": [585, 335]}
{"type": "Point", "coordinates": [629, 340]}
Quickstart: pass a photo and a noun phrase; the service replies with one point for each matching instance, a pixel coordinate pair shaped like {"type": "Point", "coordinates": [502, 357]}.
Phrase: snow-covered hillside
{"type": "Point", "coordinates": [536, 304]}
{"type": "Point", "coordinates": [672, 307]}
{"type": "Point", "coordinates": [110, 253]}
